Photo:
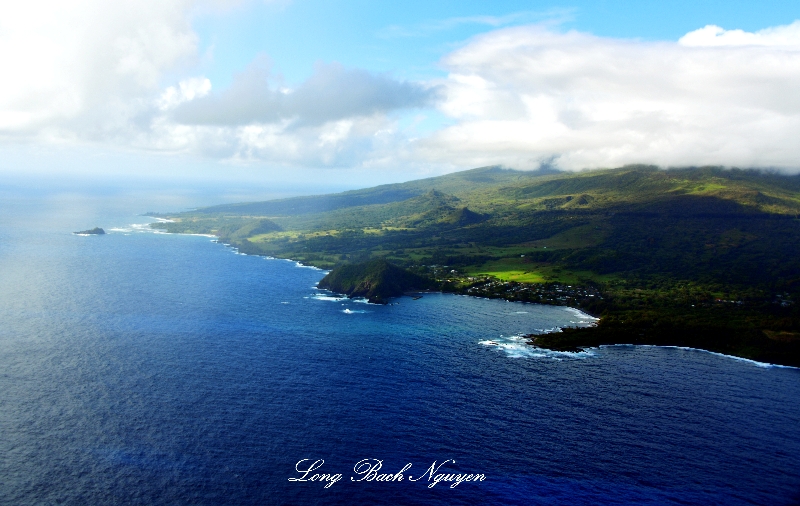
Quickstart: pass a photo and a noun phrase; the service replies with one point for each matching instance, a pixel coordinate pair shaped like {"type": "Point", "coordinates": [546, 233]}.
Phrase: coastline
{"type": "Point", "coordinates": [580, 338]}
{"type": "Point", "coordinates": [743, 344]}
{"type": "Point", "coordinates": [765, 365]}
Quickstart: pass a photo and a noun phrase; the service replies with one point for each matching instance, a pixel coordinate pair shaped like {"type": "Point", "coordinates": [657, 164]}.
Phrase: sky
{"type": "Point", "coordinates": [348, 93]}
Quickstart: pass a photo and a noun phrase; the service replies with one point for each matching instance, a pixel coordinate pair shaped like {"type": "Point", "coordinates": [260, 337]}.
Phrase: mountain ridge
{"type": "Point", "coordinates": [651, 241]}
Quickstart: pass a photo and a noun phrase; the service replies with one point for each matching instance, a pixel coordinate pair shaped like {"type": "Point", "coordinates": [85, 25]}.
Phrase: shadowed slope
{"type": "Point", "coordinates": [376, 280]}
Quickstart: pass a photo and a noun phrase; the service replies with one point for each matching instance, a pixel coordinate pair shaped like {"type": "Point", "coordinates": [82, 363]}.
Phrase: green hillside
{"type": "Point", "coordinates": [376, 280]}
{"type": "Point", "coordinates": [649, 240]}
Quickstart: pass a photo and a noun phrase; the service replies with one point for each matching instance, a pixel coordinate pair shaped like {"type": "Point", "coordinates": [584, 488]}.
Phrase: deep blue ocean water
{"type": "Point", "coordinates": [142, 368]}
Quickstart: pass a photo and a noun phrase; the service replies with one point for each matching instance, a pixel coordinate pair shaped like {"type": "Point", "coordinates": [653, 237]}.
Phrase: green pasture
{"type": "Point", "coordinates": [517, 269]}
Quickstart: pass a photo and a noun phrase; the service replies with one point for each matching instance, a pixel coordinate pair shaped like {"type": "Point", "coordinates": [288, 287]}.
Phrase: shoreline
{"type": "Point", "coordinates": [532, 341]}
{"type": "Point", "coordinates": [763, 365]}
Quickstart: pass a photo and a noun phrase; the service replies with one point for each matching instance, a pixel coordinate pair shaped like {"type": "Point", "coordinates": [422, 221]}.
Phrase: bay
{"type": "Point", "coordinates": [143, 368]}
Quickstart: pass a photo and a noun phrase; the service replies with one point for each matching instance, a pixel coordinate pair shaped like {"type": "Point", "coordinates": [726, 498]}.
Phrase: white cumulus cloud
{"type": "Point", "coordinates": [712, 35]}
{"type": "Point", "coordinates": [529, 95]}
{"type": "Point", "coordinates": [96, 71]}
{"type": "Point", "coordinates": [186, 90]}
{"type": "Point", "coordinates": [332, 93]}
{"type": "Point", "coordinates": [92, 70]}
{"type": "Point", "coordinates": [66, 61]}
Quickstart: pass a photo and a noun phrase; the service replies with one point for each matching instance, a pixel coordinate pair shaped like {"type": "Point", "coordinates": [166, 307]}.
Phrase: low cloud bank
{"type": "Point", "coordinates": [332, 93]}
{"type": "Point", "coordinates": [523, 96]}
{"type": "Point", "coordinates": [92, 71]}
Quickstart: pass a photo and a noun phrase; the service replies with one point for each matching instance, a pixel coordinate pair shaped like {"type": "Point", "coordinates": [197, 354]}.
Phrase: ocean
{"type": "Point", "coordinates": [145, 368]}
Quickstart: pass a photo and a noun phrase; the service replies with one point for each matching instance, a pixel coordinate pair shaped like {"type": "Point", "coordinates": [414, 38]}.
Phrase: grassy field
{"type": "Point", "coordinates": [650, 245]}
{"type": "Point", "coordinates": [522, 271]}
{"type": "Point", "coordinates": [509, 269]}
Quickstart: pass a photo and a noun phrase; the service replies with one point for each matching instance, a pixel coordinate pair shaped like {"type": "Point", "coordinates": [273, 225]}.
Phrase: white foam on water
{"type": "Point", "coordinates": [517, 347]}
{"type": "Point", "coordinates": [580, 314]}
{"type": "Point", "coordinates": [333, 298]}
{"type": "Point", "coordinates": [145, 227]}
{"type": "Point", "coordinates": [353, 311]}
{"type": "Point", "coordinates": [304, 266]}
{"type": "Point", "coordinates": [547, 331]}
{"type": "Point", "coordinates": [516, 350]}
{"type": "Point", "coordinates": [764, 365]}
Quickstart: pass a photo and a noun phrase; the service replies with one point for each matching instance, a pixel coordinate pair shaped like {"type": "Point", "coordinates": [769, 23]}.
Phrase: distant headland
{"type": "Point", "coordinates": [702, 257]}
{"type": "Point", "coordinates": [94, 231]}
{"type": "Point", "coordinates": [377, 280]}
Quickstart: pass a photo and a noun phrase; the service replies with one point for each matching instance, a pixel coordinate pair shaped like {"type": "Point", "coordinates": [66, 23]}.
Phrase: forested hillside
{"type": "Point", "coordinates": [647, 239]}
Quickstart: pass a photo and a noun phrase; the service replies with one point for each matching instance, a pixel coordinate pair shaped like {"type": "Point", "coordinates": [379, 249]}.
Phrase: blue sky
{"type": "Point", "coordinates": [349, 93]}
{"type": "Point", "coordinates": [408, 38]}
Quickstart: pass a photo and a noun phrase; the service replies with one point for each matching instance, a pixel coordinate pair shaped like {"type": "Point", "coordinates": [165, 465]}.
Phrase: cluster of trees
{"type": "Point", "coordinates": [726, 234]}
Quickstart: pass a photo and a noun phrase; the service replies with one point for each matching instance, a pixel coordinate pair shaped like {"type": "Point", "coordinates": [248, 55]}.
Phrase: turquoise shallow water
{"type": "Point", "coordinates": [138, 368]}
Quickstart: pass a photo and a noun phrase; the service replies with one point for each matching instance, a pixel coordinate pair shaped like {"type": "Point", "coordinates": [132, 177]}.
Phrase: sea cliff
{"type": "Point", "coordinates": [377, 280]}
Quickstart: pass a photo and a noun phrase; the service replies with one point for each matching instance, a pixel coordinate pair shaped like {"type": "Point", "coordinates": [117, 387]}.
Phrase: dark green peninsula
{"type": "Point", "coordinates": [376, 280]}
{"type": "Point", "coordinates": [94, 231]}
{"type": "Point", "coordinates": [703, 257]}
